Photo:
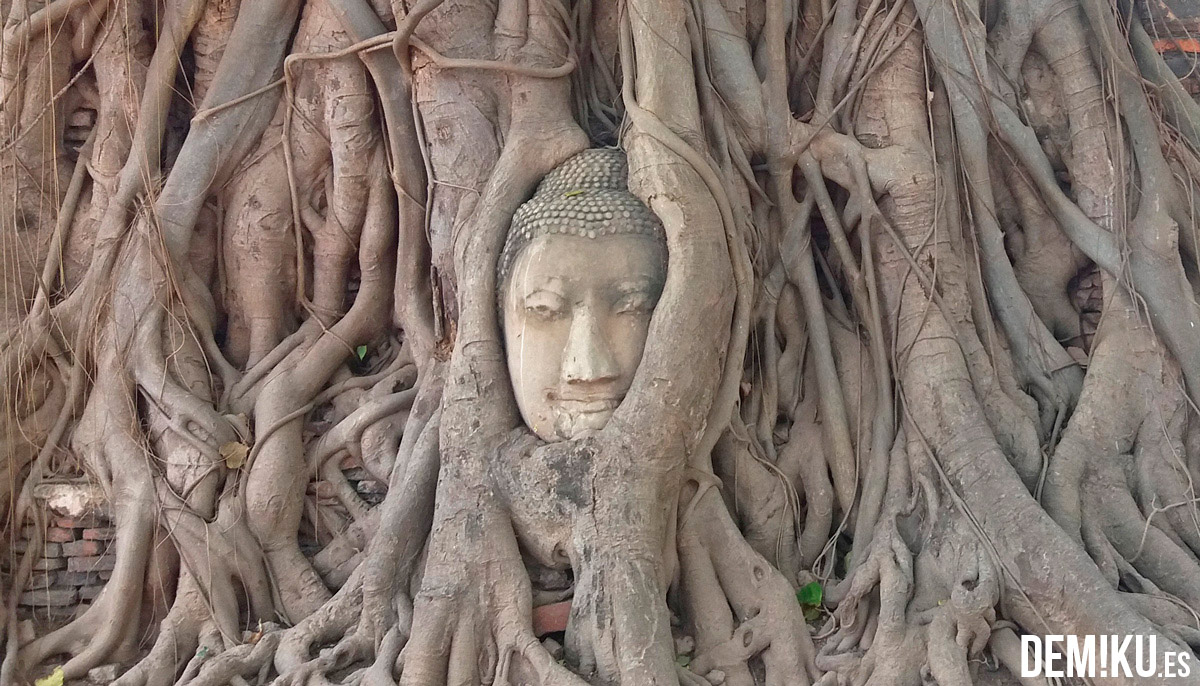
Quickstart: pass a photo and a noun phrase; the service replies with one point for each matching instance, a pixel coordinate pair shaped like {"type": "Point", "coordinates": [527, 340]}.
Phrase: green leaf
{"type": "Point", "coordinates": [810, 594]}
{"type": "Point", "coordinates": [361, 351]}
{"type": "Point", "coordinates": [683, 660]}
{"type": "Point", "coordinates": [812, 615]}
{"type": "Point", "coordinates": [54, 679]}
{"type": "Point", "coordinates": [571, 194]}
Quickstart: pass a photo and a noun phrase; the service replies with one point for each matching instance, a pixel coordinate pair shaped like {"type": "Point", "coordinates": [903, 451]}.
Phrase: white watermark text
{"type": "Point", "coordinates": [1103, 656]}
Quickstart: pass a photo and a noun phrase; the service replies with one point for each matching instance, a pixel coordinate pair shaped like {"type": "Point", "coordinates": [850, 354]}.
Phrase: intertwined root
{"type": "Point", "coordinates": [980, 164]}
{"type": "Point", "coordinates": [720, 572]}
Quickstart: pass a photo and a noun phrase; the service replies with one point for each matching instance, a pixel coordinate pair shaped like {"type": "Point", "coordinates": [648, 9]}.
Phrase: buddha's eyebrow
{"type": "Point", "coordinates": [533, 293]}
{"type": "Point", "coordinates": [553, 284]}
{"type": "Point", "coordinates": [636, 285]}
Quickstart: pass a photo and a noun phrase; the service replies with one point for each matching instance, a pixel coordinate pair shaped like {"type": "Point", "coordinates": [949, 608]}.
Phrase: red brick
{"type": "Point", "coordinates": [548, 619]}
{"type": "Point", "coordinates": [91, 564]}
{"type": "Point", "coordinates": [54, 597]}
{"type": "Point", "coordinates": [80, 522]}
{"type": "Point", "coordinates": [60, 535]}
{"type": "Point", "coordinates": [84, 548]}
{"type": "Point", "coordinates": [106, 533]}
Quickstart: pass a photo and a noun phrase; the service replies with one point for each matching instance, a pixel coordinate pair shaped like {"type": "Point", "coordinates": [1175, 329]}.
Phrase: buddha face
{"type": "Point", "coordinates": [576, 314]}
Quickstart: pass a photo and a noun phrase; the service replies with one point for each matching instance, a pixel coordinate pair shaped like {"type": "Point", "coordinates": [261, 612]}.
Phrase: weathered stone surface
{"type": "Point", "coordinates": [73, 499]}
{"type": "Point", "coordinates": [39, 580]}
{"type": "Point", "coordinates": [82, 521]}
{"type": "Point", "coordinates": [90, 592]}
{"type": "Point", "coordinates": [581, 216]}
{"type": "Point", "coordinates": [79, 578]}
{"type": "Point", "coordinates": [59, 615]}
{"type": "Point", "coordinates": [372, 487]}
{"type": "Point", "coordinates": [104, 674]}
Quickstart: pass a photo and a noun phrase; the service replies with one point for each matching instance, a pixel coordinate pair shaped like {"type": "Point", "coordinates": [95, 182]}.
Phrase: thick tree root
{"type": "Point", "coordinates": [770, 624]}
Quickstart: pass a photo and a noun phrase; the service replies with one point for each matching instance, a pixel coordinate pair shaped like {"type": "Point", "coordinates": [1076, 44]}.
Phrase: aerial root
{"type": "Point", "coordinates": [870, 611]}
{"type": "Point", "coordinates": [224, 659]}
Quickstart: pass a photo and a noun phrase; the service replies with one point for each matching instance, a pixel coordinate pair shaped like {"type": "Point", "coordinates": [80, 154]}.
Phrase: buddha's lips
{"type": "Point", "coordinates": [586, 405]}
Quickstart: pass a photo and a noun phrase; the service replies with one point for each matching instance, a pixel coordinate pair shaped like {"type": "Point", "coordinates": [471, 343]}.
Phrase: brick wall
{"type": "Point", "coordinates": [73, 567]}
{"type": "Point", "coordinates": [77, 561]}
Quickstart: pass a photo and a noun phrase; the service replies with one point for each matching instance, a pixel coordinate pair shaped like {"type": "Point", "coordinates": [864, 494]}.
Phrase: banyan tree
{"type": "Point", "coordinates": [667, 309]}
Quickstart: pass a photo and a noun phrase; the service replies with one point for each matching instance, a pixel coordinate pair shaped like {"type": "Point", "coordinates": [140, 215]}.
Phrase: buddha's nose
{"type": "Point", "coordinates": [588, 357]}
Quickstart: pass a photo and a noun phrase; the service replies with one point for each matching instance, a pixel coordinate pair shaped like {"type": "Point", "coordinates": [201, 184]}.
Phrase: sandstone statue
{"type": "Point", "coordinates": [581, 271]}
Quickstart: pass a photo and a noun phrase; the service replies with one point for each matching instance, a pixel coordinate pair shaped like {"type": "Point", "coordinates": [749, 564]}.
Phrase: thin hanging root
{"type": "Point", "coordinates": [801, 270]}
{"type": "Point", "coordinates": [763, 499]}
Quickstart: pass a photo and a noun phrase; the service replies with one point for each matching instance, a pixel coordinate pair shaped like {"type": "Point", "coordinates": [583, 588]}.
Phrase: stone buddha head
{"type": "Point", "coordinates": [581, 271]}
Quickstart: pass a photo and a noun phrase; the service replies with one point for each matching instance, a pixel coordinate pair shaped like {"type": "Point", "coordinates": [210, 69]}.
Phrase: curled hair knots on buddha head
{"type": "Point", "coordinates": [586, 196]}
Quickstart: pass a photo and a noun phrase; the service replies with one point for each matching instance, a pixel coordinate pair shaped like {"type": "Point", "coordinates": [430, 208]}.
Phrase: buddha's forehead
{"type": "Point", "coordinates": [564, 260]}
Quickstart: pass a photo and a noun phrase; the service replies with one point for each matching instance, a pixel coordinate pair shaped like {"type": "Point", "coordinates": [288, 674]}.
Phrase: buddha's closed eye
{"type": "Point", "coordinates": [635, 302]}
{"type": "Point", "coordinates": [545, 304]}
